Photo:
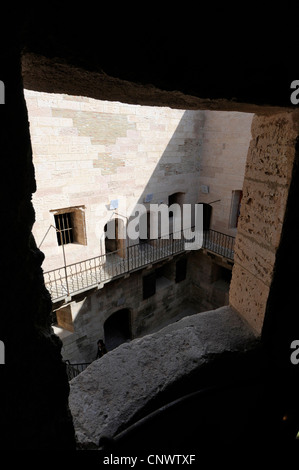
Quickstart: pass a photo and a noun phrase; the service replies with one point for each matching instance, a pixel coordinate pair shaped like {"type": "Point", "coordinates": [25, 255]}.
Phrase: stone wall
{"type": "Point", "coordinates": [88, 152]}
{"type": "Point", "coordinates": [81, 322]}
{"type": "Point", "coordinates": [115, 389]}
{"type": "Point", "coordinates": [224, 147]}
{"type": "Point", "coordinates": [210, 280]}
{"type": "Point", "coordinates": [172, 301]}
{"type": "Point", "coordinates": [266, 185]}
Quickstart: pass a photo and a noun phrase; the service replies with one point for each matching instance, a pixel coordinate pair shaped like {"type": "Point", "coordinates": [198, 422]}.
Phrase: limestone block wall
{"type": "Point", "coordinates": [224, 146]}
{"type": "Point", "coordinates": [88, 152]}
{"type": "Point", "coordinates": [90, 311]}
{"type": "Point", "coordinates": [210, 277]}
{"type": "Point", "coordinates": [266, 185]}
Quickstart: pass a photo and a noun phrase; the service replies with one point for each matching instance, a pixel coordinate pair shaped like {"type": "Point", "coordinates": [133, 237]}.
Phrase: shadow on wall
{"type": "Point", "coordinates": [174, 179]}
{"type": "Point", "coordinates": [177, 171]}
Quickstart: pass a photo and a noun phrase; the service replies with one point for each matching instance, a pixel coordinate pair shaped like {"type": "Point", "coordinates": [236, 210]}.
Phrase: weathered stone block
{"type": "Point", "coordinates": [111, 394]}
{"type": "Point", "coordinates": [266, 183]}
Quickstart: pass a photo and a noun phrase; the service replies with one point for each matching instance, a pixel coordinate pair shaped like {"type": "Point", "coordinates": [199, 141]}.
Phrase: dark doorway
{"type": "Point", "coordinates": [144, 228]}
{"type": "Point", "coordinates": [117, 328]}
{"type": "Point", "coordinates": [181, 270]}
{"type": "Point", "coordinates": [175, 198]}
{"type": "Point", "coordinates": [149, 285]}
{"type": "Point", "coordinates": [207, 214]}
{"type": "Point", "coordinates": [113, 233]}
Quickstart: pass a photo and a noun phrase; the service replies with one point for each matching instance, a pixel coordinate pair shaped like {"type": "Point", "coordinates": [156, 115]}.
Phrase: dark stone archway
{"type": "Point", "coordinates": [117, 328]}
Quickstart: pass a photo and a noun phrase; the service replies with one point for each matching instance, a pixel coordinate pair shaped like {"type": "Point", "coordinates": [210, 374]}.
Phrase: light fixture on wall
{"type": "Point", "coordinates": [113, 204]}
{"type": "Point", "coordinates": [148, 197]}
{"type": "Point", "coordinates": [204, 189]}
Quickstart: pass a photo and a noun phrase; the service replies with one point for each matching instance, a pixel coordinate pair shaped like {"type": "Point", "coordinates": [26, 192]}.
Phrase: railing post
{"type": "Point", "coordinates": [65, 270]}
{"type": "Point", "coordinates": [128, 259]}
{"type": "Point", "coordinates": [137, 257]}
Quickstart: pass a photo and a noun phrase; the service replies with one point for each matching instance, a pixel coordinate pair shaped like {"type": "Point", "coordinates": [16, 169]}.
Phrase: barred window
{"type": "Point", "coordinates": [70, 225]}
{"type": "Point", "coordinates": [63, 223]}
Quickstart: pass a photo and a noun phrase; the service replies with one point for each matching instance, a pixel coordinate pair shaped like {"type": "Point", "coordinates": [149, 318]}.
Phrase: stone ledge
{"type": "Point", "coordinates": [112, 390]}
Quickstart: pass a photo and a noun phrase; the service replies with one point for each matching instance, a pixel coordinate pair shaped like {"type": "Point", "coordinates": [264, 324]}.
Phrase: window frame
{"type": "Point", "coordinates": [78, 228]}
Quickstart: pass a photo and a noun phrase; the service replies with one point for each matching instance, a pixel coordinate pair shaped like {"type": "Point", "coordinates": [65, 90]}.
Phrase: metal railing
{"type": "Point", "coordinates": [73, 370]}
{"type": "Point", "coordinates": [219, 243]}
{"type": "Point", "coordinates": [79, 276]}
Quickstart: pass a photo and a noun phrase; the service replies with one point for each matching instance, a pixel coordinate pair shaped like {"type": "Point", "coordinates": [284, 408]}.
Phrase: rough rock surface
{"type": "Point", "coordinates": [112, 389]}
{"type": "Point", "coordinates": [74, 80]}
{"type": "Point", "coordinates": [268, 174]}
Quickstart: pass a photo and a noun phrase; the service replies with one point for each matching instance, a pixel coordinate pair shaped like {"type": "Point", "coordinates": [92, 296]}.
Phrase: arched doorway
{"type": "Point", "coordinates": [117, 328]}
{"type": "Point", "coordinates": [176, 198]}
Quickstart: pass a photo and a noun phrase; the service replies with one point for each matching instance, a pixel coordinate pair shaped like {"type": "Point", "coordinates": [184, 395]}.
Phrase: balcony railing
{"type": "Point", "coordinates": [219, 243]}
{"type": "Point", "coordinates": [76, 277]}
{"type": "Point", "coordinates": [73, 370]}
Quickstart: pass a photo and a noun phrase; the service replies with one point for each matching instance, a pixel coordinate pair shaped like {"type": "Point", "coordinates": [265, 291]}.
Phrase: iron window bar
{"type": "Point", "coordinates": [64, 228]}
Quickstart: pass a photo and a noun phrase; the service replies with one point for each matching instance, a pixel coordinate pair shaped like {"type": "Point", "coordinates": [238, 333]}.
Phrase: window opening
{"type": "Point", "coordinates": [207, 215]}
{"type": "Point", "coordinates": [149, 285]}
{"type": "Point", "coordinates": [114, 230]}
{"type": "Point", "coordinates": [70, 225]}
{"type": "Point", "coordinates": [145, 225]}
{"type": "Point", "coordinates": [117, 328]}
{"type": "Point", "coordinates": [64, 225]}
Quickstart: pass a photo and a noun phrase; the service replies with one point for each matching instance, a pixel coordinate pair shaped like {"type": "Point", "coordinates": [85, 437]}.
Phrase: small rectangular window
{"type": "Point", "coordinates": [64, 226]}
{"type": "Point", "coordinates": [70, 225]}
